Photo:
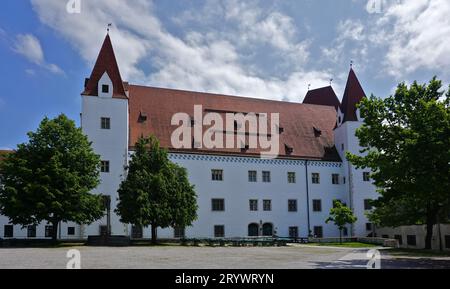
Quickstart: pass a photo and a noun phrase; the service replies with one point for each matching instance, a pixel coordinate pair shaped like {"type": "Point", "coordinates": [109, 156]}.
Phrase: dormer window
{"type": "Point", "coordinates": [105, 88]}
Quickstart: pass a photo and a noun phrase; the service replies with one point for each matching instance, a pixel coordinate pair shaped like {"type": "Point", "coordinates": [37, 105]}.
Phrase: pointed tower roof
{"type": "Point", "coordinates": [353, 94]}
{"type": "Point", "coordinates": [106, 62]}
{"type": "Point", "coordinates": [322, 96]}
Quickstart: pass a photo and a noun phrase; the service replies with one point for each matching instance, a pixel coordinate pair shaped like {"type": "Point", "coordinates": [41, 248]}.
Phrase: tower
{"type": "Point", "coordinates": [359, 186]}
{"type": "Point", "coordinates": [104, 119]}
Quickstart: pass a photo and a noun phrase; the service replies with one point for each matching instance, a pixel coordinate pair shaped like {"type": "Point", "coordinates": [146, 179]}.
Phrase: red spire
{"type": "Point", "coordinates": [106, 61]}
{"type": "Point", "coordinates": [353, 94]}
{"type": "Point", "coordinates": [322, 96]}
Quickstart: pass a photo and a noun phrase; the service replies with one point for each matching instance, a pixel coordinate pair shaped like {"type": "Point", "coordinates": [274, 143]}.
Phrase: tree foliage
{"type": "Point", "coordinates": [406, 143]}
{"type": "Point", "coordinates": [49, 177]}
{"type": "Point", "coordinates": [156, 192]}
{"type": "Point", "coordinates": [341, 215]}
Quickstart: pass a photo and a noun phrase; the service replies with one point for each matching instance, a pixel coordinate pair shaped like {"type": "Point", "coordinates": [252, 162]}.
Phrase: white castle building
{"type": "Point", "coordinates": [239, 193]}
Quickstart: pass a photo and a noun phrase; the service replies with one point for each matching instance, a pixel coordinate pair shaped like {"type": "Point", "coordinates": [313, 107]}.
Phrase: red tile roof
{"type": "Point", "coordinates": [307, 129]}
{"type": "Point", "coordinates": [106, 61]}
{"type": "Point", "coordinates": [322, 96]}
{"type": "Point", "coordinates": [353, 94]}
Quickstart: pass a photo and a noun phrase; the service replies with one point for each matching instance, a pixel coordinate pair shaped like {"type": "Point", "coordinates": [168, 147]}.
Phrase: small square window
{"type": "Point", "coordinates": [317, 205]}
{"type": "Point", "coordinates": [366, 176]}
{"type": "Point", "coordinates": [292, 205]}
{"type": "Point", "coordinates": [411, 240]}
{"type": "Point", "coordinates": [104, 166]}
{"type": "Point", "coordinates": [179, 232]}
{"type": "Point", "coordinates": [293, 232]}
{"type": "Point", "coordinates": [368, 226]}
{"type": "Point", "coordinates": [315, 178]}
{"type": "Point", "coordinates": [105, 123]}
{"type": "Point", "coordinates": [219, 231]}
{"type": "Point", "coordinates": [318, 232]}
{"type": "Point", "coordinates": [48, 231]}
{"type": "Point", "coordinates": [70, 231]}
{"type": "Point", "coordinates": [291, 177]}
{"type": "Point", "coordinates": [105, 88]}
{"type": "Point", "coordinates": [266, 176]}
{"type": "Point", "coordinates": [267, 205]}
{"type": "Point", "coordinates": [252, 176]}
{"type": "Point", "coordinates": [218, 205]}
{"type": "Point", "coordinates": [253, 205]}
{"type": "Point", "coordinates": [31, 231]}
{"type": "Point", "coordinates": [335, 179]}
{"type": "Point", "coordinates": [367, 205]}
{"type": "Point", "coordinates": [217, 175]}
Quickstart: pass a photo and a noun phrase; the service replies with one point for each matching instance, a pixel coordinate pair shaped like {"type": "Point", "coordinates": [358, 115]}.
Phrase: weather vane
{"type": "Point", "coordinates": [331, 81]}
{"type": "Point", "coordinates": [109, 26]}
{"type": "Point", "coordinates": [309, 86]}
{"type": "Point", "coordinates": [351, 63]}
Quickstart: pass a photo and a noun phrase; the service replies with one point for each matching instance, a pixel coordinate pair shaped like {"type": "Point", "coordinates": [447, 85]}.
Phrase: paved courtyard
{"type": "Point", "coordinates": [166, 257]}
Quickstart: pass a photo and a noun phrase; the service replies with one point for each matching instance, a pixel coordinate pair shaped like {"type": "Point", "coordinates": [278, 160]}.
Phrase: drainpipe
{"type": "Point", "coordinates": [307, 197]}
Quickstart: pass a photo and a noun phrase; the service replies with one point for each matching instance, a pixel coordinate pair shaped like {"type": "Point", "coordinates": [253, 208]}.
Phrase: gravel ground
{"type": "Point", "coordinates": [176, 257]}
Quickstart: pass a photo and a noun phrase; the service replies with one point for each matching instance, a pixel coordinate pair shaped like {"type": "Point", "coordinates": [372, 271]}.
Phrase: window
{"type": "Point", "coordinates": [267, 205]}
{"type": "Point", "coordinates": [252, 176]}
{"type": "Point", "coordinates": [447, 241]}
{"type": "Point", "coordinates": [179, 232]}
{"type": "Point", "coordinates": [399, 239]}
{"type": "Point", "coordinates": [253, 205]}
{"type": "Point", "coordinates": [105, 123]}
{"type": "Point", "coordinates": [368, 226]}
{"type": "Point", "coordinates": [315, 178]}
{"type": "Point", "coordinates": [367, 204]}
{"type": "Point", "coordinates": [48, 231]}
{"type": "Point", "coordinates": [218, 205]}
{"type": "Point", "coordinates": [317, 205]}
{"type": "Point", "coordinates": [293, 232]}
{"type": "Point", "coordinates": [31, 231]}
{"type": "Point", "coordinates": [292, 205]}
{"type": "Point", "coordinates": [291, 177]}
{"type": "Point", "coordinates": [70, 231]}
{"type": "Point", "coordinates": [411, 240]}
{"type": "Point", "coordinates": [342, 147]}
{"type": "Point", "coordinates": [345, 231]}
{"type": "Point", "coordinates": [343, 180]}
{"type": "Point", "coordinates": [104, 166]}
{"type": "Point", "coordinates": [335, 179]}
{"type": "Point", "coordinates": [105, 88]}
{"type": "Point", "coordinates": [366, 176]}
{"type": "Point", "coordinates": [219, 231]}
{"type": "Point", "coordinates": [136, 232]}
{"type": "Point", "coordinates": [318, 232]}
{"type": "Point", "coordinates": [217, 175]}
{"type": "Point", "coordinates": [9, 231]}
{"type": "Point", "coordinates": [266, 176]}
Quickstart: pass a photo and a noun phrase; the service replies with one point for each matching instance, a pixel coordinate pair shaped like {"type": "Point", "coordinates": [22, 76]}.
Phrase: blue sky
{"type": "Point", "coordinates": [264, 49]}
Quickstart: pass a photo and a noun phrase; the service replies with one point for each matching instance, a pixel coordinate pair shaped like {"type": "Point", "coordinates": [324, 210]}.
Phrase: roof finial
{"type": "Point", "coordinates": [109, 26]}
{"type": "Point", "coordinates": [309, 86]}
{"type": "Point", "coordinates": [331, 81]}
{"type": "Point", "coordinates": [351, 63]}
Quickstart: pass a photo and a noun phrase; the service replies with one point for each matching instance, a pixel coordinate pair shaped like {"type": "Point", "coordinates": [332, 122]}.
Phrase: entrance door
{"type": "Point", "coordinates": [253, 230]}
{"type": "Point", "coordinates": [267, 229]}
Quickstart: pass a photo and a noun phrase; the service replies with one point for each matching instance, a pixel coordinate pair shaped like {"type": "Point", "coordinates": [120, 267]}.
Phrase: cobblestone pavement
{"type": "Point", "coordinates": [167, 257]}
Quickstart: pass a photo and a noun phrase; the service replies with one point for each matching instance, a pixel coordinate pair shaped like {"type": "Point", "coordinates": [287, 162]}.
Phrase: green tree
{"type": "Point", "coordinates": [406, 143]}
{"type": "Point", "coordinates": [49, 177]}
{"type": "Point", "coordinates": [156, 192]}
{"type": "Point", "coordinates": [341, 216]}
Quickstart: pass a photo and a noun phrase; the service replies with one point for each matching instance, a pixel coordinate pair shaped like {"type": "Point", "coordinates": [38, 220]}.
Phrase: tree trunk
{"type": "Point", "coordinates": [154, 234]}
{"type": "Point", "coordinates": [429, 235]}
{"type": "Point", "coordinates": [340, 236]}
{"type": "Point", "coordinates": [55, 231]}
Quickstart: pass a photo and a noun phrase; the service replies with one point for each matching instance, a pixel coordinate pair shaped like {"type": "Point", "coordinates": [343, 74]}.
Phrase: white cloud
{"type": "Point", "coordinates": [29, 46]}
{"type": "Point", "coordinates": [417, 34]}
{"type": "Point", "coordinates": [212, 61]}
